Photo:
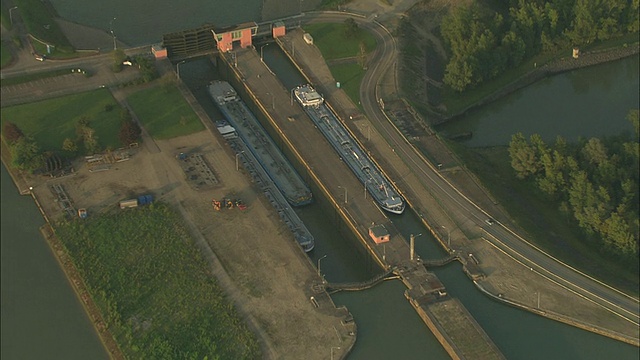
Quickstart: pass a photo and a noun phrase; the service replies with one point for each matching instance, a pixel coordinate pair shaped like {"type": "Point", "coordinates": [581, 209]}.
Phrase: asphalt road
{"type": "Point", "coordinates": [622, 304]}
{"type": "Point", "coordinates": [614, 300]}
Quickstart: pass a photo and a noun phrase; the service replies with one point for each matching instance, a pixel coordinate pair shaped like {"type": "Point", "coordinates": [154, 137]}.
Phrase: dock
{"type": "Point", "coordinates": [453, 326]}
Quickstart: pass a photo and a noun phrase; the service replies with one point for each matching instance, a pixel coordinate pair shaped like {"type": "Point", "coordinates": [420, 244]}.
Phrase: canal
{"type": "Point", "coordinates": [388, 326]}
{"type": "Point", "coordinates": [41, 315]}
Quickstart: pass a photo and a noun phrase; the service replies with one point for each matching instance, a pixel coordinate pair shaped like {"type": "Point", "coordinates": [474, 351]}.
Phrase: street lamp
{"type": "Point", "coordinates": [448, 236]}
{"type": "Point", "coordinates": [334, 347]}
{"type": "Point", "coordinates": [11, 14]}
{"type": "Point", "coordinates": [365, 188]}
{"type": "Point", "coordinates": [345, 194]}
{"type": "Point", "coordinates": [238, 154]}
{"type": "Point", "coordinates": [115, 46]}
{"type": "Point", "coordinates": [320, 273]}
{"type": "Point", "coordinates": [178, 68]}
{"type": "Point", "coordinates": [261, 53]}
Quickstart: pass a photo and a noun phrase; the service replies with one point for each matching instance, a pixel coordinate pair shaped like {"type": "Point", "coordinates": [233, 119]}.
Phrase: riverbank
{"type": "Point", "coordinates": [538, 73]}
{"type": "Point", "coordinates": [25, 186]}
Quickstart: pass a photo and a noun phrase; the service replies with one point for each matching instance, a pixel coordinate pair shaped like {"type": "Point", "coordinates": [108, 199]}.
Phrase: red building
{"type": "Point", "coordinates": [278, 29]}
{"type": "Point", "coordinates": [379, 234]}
{"type": "Point", "coordinates": [242, 33]}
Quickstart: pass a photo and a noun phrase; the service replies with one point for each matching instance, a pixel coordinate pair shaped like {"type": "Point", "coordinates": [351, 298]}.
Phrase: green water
{"type": "Point", "coordinates": [583, 103]}
{"type": "Point", "coordinates": [41, 316]}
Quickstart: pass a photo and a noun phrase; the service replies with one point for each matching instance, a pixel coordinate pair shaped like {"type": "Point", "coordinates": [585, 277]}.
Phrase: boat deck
{"type": "Point", "coordinates": [260, 144]}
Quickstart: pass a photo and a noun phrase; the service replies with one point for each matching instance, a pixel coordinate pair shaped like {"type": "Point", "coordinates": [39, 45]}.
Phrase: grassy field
{"type": "Point", "coordinates": [34, 76]}
{"type": "Point", "coordinates": [350, 76]}
{"type": "Point", "coordinates": [154, 288]}
{"type": "Point", "coordinates": [38, 17]}
{"type": "Point", "coordinates": [548, 228]}
{"type": "Point", "coordinates": [334, 44]}
{"type": "Point", "coordinates": [5, 54]}
{"type": "Point", "coordinates": [51, 121]}
{"type": "Point", "coordinates": [164, 112]}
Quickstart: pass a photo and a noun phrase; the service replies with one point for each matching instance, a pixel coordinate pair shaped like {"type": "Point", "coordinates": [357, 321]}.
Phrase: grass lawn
{"type": "Point", "coordinates": [334, 44]}
{"type": "Point", "coordinates": [34, 76]}
{"type": "Point", "coordinates": [38, 17]}
{"type": "Point", "coordinates": [350, 76]}
{"type": "Point", "coordinates": [51, 121]}
{"type": "Point", "coordinates": [5, 54]}
{"type": "Point", "coordinates": [154, 288]}
{"type": "Point", "coordinates": [547, 227]}
{"type": "Point", "coordinates": [164, 112]}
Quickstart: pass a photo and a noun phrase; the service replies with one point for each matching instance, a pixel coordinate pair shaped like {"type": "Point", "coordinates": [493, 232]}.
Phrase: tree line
{"type": "Point", "coordinates": [483, 41]}
{"type": "Point", "coordinates": [595, 181]}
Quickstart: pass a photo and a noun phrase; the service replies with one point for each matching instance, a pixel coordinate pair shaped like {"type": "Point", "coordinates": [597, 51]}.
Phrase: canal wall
{"type": "Point", "coordinates": [259, 84]}
{"type": "Point", "coordinates": [62, 258]}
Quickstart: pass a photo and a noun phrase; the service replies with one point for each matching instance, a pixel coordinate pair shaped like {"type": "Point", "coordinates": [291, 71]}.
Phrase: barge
{"type": "Point", "coordinates": [247, 126]}
{"type": "Point", "coordinates": [301, 234]}
{"type": "Point", "coordinates": [376, 183]}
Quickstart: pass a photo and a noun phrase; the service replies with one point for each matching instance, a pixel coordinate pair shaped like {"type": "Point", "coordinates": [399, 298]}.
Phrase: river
{"type": "Point", "coordinates": [388, 327]}
{"type": "Point", "coordinates": [584, 103]}
{"type": "Point", "coordinates": [41, 315]}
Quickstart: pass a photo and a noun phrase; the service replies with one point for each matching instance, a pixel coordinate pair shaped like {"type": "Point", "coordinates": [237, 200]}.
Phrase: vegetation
{"type": "Point", "coordinates": [5, 55]}
{"type": "Point", "coordinates": [337, 41]}
{"type": "Point", "coordinates": [11, 132]}
{"type": "Point", "coordinates": [38, 17]}
{"type": "Point", "coordinates": [484, 41]}
{"type": "Point", "coordinates": [130, 131]}
{"type": "Point", "coordinates": [50, 122]}
{"type": "Point", "coordinates": [153, 287]}
{"type": "Point", "coordinates": [350, 76]}
{"type": "Point", "coordinates": [594, 181]}
{"type": "Point", "coordinates": [164, 113]}
{"type": "Point", "coordinates": [36, 76]}
{"type": "Point", "coordinates": [530, 208]}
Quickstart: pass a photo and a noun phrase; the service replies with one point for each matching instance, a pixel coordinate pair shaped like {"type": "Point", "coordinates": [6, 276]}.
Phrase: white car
{"type": "Point", "coordinates": [490, 221]}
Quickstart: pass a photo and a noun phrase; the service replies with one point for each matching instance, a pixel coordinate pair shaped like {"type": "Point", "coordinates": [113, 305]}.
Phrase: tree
{"type": "Point", "coordinates": [350, 28]}
{"type": "Point", "coordinates": [26, 154]}
{"type": "Point", "coordinates": [118, 58]}
{"type": "Point", "coordinates": [11, 132]}
{"type": "Point", "coordinates": [130, 132]}
{"type": "Point", "coordinates": [69, 145]}
{"type": "Point", "coordinates": [523, 156]}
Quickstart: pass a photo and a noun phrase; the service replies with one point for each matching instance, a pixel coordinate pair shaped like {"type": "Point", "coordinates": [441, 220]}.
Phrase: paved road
{"type": "Point", "coordinates": [385, 56]}
{"type": "Point", "coordinates": [622, 304]}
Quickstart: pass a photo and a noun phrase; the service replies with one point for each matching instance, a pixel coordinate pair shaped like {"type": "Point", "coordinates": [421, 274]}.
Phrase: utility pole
{"type": "Point", "coordinates": [115, 46]}
{"type": "Point", "coordinates": [11, 14]}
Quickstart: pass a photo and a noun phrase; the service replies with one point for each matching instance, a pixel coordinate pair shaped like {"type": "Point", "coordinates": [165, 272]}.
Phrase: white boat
{"type": "Point", "coordinates": [349, 150]}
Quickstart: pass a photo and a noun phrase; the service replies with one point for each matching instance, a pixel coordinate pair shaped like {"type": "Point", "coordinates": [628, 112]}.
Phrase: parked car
{"type": "Point", "coordinates": [40, 57]}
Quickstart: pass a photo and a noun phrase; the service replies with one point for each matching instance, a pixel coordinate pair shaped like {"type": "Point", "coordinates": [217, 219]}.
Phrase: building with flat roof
{"type": "Point", "coordinates": [379, 234]}
{"type": "Point", "coordinates": [243, 33]}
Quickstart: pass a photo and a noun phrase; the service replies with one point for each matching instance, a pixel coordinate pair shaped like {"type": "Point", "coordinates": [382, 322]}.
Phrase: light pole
{"type": "Point", "coordinates": [11, 14]}
{"type": "Point", "coordinates": [238, 154]}
{"type": "Point", "coordinates": [178, 68]}
{"type": "Point", "coordinates": [115, 46]}
{"type": "Point", "coordinates": [292, 96]}
{"type": "Point", "coordinates": [365, 188]}
{"type": "Point", "coordinates": [334, 347]}
{"type": "Point", "coordinates": [261, 53]}
{"type": "Point", "coordinates": [345, 194]}
{"type": "Point", "coordinates": [320, 273]}
{"type": "Point", "coordinates": [448, 236]}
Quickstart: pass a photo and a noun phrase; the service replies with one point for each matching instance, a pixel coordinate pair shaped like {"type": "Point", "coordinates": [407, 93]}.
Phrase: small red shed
{"type": "Point", "coordinates": [379, 234]}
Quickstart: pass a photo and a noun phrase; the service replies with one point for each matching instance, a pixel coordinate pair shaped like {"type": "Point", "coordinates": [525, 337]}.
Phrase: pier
{"type": "Point", "coordinates": [286, 120]}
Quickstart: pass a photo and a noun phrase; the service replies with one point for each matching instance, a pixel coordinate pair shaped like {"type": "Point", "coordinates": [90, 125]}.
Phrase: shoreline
{"type": "Point", "coordinates": [552, 68]}
{"type": "Point", "coordinates": [71, 273]}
